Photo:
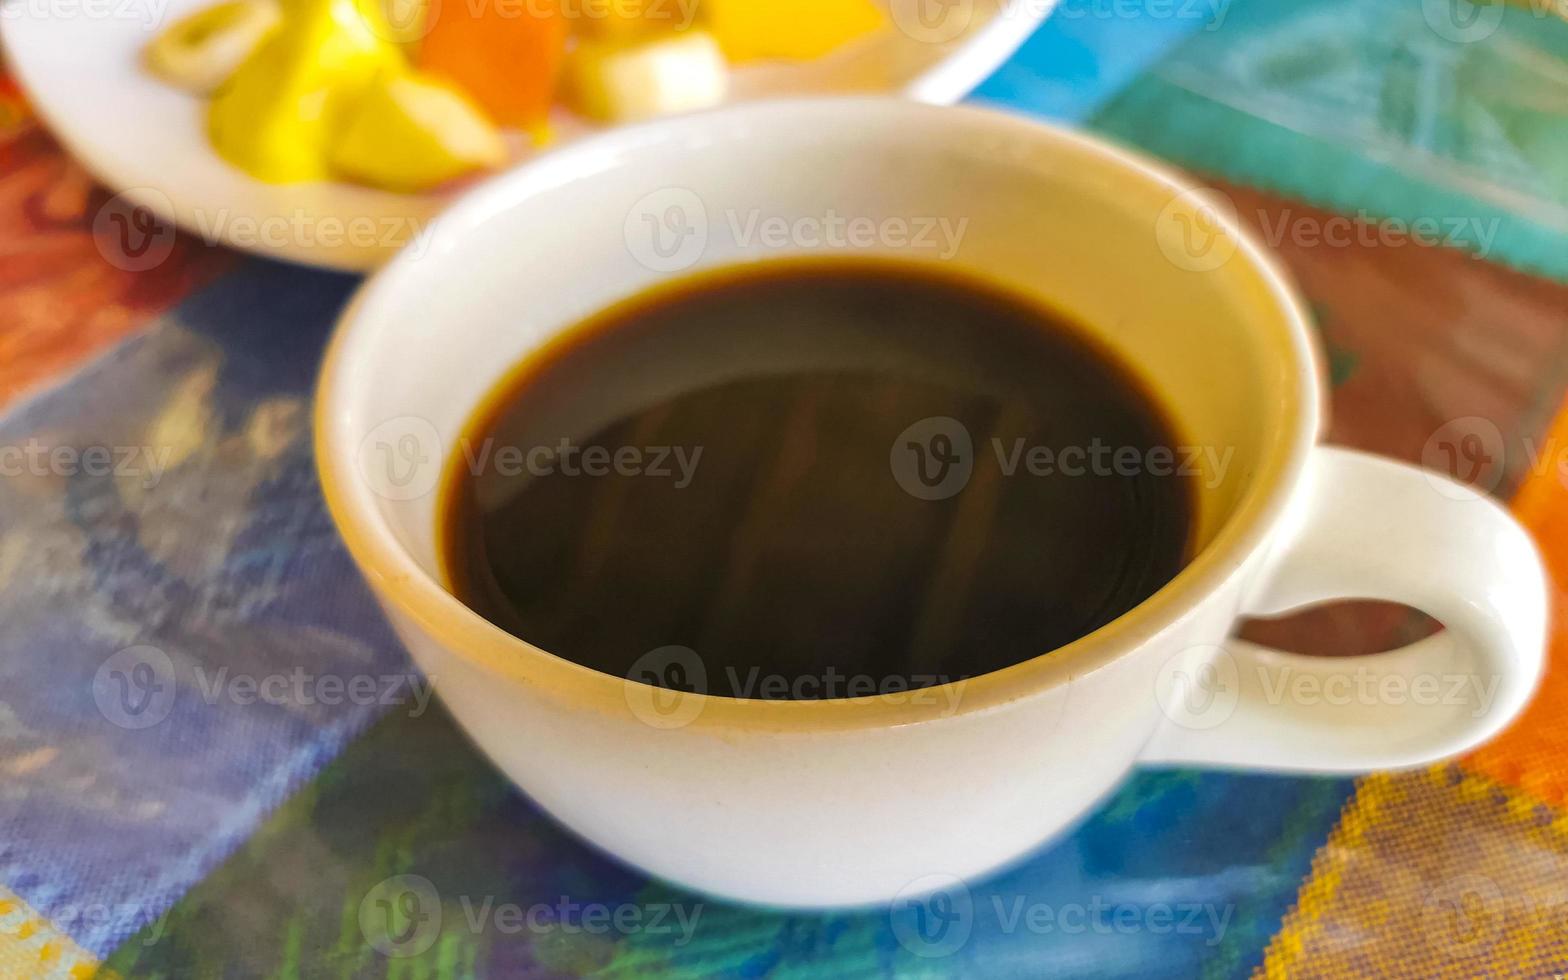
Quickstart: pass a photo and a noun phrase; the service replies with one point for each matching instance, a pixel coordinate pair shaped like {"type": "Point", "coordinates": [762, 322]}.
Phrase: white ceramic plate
{"type": "Point", "coordinates": [80, 64]}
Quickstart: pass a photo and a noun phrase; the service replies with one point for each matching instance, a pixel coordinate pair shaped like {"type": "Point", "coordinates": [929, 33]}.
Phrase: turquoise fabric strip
{"type": "Point", "coordinates": [1090, 50]}
{"type": "Point", "coordinates": [1445, 116]}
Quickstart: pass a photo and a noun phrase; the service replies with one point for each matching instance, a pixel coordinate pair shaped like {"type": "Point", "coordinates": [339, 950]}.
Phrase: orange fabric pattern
{"type": "Point", "coordinates": [1533, 753]}
{"type": "Point", "coordinates": [66, 290]}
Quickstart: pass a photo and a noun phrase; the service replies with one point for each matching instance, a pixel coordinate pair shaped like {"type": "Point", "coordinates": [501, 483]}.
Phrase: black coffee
{"type": "Point", "coordinates": [827, 479]}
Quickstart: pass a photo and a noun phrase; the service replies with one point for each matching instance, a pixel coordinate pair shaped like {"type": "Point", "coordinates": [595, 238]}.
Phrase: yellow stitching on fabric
{"type": "Point", "coordinates": [1285, 955]}
{"type": "Point", "coordinates": [28, 938]}
{"type": "Point", "coordinates": [1521, 806]}
{"type": "Point", "coordinates": [1324, 879]}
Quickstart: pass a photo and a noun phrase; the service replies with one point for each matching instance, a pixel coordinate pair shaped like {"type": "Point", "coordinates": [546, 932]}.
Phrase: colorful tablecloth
{"type": "Point", "coordinates": [160, 518]}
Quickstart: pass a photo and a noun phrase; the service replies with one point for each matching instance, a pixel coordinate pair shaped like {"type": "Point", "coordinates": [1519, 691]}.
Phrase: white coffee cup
{"type": "Point", "coordinates": [856, 800]}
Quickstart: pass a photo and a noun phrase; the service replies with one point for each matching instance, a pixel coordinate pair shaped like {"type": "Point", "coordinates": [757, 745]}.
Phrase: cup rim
{"type": "Point", "coordinates": [403, 582]}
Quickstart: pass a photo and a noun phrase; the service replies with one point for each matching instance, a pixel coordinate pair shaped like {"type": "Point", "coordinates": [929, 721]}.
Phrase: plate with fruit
{"type": "Point", "coordinates": [329, 132]}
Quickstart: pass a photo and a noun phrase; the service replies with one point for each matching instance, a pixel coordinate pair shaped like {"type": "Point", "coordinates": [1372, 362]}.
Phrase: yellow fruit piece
{"type": "Point", "coordinates": [616, 81]}
{"type": "Point", "coordinates": [412, 132]}
{"type": "Point", "coordinates": [798, 30]}
{"type": "Point", "coordinates": [278, 113]}
{"type": "Point", "coordinates": [199, 51]}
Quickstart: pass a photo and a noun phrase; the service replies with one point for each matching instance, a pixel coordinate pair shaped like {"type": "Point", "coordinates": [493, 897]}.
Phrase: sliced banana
{"type": "Point", "coordinates": [198, 52]}
{"type": "Point", "coordinates": [623, 81]}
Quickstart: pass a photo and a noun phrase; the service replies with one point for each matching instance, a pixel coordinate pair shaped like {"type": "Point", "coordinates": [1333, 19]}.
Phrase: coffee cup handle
{"type": "Point", "coordinates": [1370, 528]}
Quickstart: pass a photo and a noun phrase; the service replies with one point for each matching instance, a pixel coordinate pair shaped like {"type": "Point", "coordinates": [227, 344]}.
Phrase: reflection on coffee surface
{"type": "Point", "coordinates": [827, 479]}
